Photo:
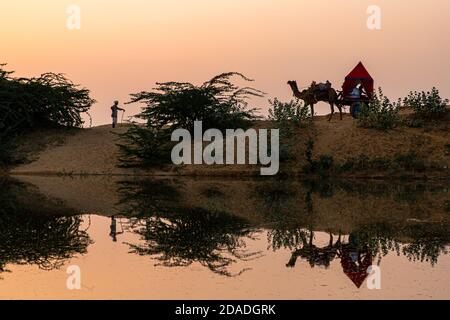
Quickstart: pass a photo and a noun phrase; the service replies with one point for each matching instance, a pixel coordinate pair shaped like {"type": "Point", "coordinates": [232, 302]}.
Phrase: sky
{"type": "Point", "coordinates": [124, 47]}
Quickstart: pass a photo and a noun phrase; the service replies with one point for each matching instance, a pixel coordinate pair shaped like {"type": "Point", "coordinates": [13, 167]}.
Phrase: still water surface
{"type": "Point", "coordinates": [223, 239]}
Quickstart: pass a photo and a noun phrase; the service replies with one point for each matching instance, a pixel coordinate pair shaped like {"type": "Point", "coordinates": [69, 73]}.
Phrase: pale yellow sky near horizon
{"type": "Point", "coordinates": [127, 46]}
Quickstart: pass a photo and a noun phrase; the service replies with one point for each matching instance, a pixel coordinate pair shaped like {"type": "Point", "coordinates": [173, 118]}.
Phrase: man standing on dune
{"type": "Point", "coordinates": [115, 110]}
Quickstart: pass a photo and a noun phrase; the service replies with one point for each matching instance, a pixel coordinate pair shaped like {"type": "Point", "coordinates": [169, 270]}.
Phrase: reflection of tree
{"type": "Point", "coordinates": [45, 241]}
{"type": "Point", "coordinates": [276, 200]}
{"type": "Point", "coordinates": [296, 230]}
{"type": "Point", "coordinates": [30, 237]}
{"type": "Point", "coordinates": [418, 242]}
{"type": "Point", "coordinates": [143, 198]}
{"type": "Point", "coordinates": [428, 242]}
{"type": "Point", "coordinates": [215, 240]}
{"type": "Point", "coordinates": [179, 236]}
{"type": "Point", "coordinates": [378, 239]}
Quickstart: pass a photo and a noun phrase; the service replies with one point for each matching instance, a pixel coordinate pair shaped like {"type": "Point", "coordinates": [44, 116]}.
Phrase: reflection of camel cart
{"type": "Point", "coordinates": [358, 75]}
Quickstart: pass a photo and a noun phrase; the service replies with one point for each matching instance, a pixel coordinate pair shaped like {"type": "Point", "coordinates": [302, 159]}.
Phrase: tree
{"type": "Point", "coordinates": [31, 103]}
{"type": "Point", "coordinates": [218, 103]}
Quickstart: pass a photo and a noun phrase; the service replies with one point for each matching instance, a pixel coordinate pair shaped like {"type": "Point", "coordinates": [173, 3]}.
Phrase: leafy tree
{"type": "Point", "coordinates": [30, 103]}
{"type": "Point", "coordinates": [50, 99]}
{"type": "Point", "coordinates": [218, 103]}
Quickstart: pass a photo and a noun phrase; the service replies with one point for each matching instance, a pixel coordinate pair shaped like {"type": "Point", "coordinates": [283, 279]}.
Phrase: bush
{"type": "Point", "coordinates": [426, 105]}
{"type": "Point", "coordinates": [324, 164]}
{"type": "Point", "coordinates": [379, 113]}
{"type": "Point", "coordinates": [218, 103]}
{"type": "Point", "coordinates": [310, 166]}
{"type": "Point", "coordinates": [145, 147]}
{"type": "Point", "coordinates": [31, 103]}
{"type": "Point", "coordinates": [410, 161]}
{"type": "Point", "coordinates": [7, 147]}
{"type": "Point", "coordinates": [287, 116]}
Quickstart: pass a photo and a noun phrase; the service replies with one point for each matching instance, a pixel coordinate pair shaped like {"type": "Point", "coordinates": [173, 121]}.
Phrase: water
{"type": "Point", "coordinates": [223, 239]}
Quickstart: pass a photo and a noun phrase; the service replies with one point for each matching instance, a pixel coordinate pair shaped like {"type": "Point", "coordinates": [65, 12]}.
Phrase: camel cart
{"type": "Point", "coordinates": [358, 75]}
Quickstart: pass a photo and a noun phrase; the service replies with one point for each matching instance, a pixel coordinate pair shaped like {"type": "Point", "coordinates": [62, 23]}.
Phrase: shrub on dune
{"type": "Point", "coordinates": [30, 103]}
{"type": "Point", "coordinates": [218, 103]}
{"type": "Point", "coordinates": [426, 105]}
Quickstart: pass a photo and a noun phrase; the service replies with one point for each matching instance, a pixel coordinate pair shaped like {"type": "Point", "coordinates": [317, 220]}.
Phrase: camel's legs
{"type": "Point", "coordinates": [293, 260]}
{"type": "Point", "coordinates": [312, 111]}
{"type": "Point", "coordinates": [332, 111]}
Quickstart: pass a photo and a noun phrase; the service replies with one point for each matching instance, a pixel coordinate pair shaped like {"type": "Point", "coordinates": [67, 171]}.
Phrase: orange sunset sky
{"type": "Point", "coordinates": [127, 46]}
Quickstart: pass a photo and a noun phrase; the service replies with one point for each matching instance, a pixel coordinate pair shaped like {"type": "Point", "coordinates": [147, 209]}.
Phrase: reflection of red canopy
{"type": "Point", "coordinates": [356, 273]}
{"type": "Point", "coordinates": [359, 73]}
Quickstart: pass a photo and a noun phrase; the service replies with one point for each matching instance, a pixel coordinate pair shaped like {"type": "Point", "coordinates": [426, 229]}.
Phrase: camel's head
{"type": "Point", "coordinates": [293, 85]}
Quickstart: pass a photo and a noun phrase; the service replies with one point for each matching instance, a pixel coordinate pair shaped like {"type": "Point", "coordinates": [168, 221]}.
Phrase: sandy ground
{"type": "Point", "coordinates": [343, 139]}
{"type": "Point", "coordinates": [94, 150]}
{"type": "Point", "coordinates": [89, 151]}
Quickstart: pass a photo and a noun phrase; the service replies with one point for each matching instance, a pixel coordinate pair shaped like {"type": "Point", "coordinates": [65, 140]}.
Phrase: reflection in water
{"type": "Point", "coordinates": [28, 236]}
{"type": "Point", "coordinates": [113, 229]}
{"type": "Point", "coordinates": [355, 260]}
{"type": "Point", "coordinates": [314, 255]}
{"type": "Point", "coordinates": [180, 236]}
{"type": "Point", "coordinates": [213, 239]}
{"type": "Point", "coordinates": [221, 225]}
{"type": "Point", "coordinates": [143, 198]}
{"type": "Point", "coordinates": [418, 241]}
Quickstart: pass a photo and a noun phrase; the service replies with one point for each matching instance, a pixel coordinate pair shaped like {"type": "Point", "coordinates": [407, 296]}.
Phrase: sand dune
{"type": "Point", "coordinates": [94, 151]}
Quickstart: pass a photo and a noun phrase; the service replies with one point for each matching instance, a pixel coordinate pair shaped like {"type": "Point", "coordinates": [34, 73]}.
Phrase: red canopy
{"type": "Point", "coordinates": [359, 73]}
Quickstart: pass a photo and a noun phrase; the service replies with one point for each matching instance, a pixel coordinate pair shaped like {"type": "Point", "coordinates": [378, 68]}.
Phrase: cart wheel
{"type": "Point", "coordinates": [355, 108]}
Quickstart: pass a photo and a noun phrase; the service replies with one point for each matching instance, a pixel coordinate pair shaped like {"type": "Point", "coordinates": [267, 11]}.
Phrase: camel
{"type": "Point", "coordinates": [310, 98]}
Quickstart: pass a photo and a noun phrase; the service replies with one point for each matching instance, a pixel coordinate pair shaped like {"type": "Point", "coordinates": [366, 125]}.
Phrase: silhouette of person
{"type": "Point", "coordinates": [358, 91]}
{"type": "Point", "coordinates": [115, 110]}
{"type": "Point", "coordinates": [113, 233]}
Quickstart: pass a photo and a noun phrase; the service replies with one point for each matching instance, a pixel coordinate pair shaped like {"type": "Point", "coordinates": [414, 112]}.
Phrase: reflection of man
{"type": "Point", "coordinates": [113, 233]}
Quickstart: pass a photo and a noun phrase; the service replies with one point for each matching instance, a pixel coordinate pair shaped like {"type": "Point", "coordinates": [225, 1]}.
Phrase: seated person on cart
{"type": "Point", "coordinates": [358, 92]}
